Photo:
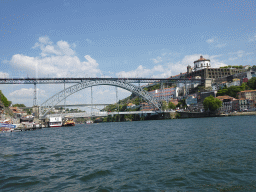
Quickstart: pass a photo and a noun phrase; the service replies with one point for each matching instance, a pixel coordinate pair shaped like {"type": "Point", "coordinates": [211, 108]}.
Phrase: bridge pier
{"type": "Point", "coordinates": [35, 111]}
{"type": "Point", "coordinates": [35, 97]}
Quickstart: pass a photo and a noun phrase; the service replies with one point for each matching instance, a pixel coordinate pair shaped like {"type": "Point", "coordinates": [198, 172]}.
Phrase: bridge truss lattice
{"type": "Point", "coordinates": [49, 104]}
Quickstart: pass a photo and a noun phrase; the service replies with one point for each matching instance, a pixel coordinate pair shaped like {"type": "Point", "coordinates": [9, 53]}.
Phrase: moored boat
{"type": "Point", "coordinates": [55, 122]}
{"type": "Point", "coordinates": [68, 122]}
{"type": "Point", "coordinates": [6, 127]}
{"type": "Point", "coordinates": [89, 121]}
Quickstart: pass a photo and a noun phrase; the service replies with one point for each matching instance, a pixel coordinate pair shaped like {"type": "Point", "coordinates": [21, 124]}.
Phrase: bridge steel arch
{"type": "Point", "coordinates": [50, 103]}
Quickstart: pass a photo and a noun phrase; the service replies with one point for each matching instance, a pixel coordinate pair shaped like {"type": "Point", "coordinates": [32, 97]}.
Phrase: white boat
{"type": "Point", "coordinates": [55, 122]}
{"type": "Point", "coordinates": [89, 121]}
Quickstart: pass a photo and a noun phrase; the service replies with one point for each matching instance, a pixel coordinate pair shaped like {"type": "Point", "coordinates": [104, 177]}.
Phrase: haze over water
{"type": "Point", "coordinates": [207, 154]}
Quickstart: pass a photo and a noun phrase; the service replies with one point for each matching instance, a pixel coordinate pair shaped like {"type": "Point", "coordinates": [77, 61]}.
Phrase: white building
{"type": "Point", "coordinates": [201, 63]}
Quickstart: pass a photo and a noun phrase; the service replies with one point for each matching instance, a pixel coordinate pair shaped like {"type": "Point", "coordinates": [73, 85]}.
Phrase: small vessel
{"type": "Point", "coordinates": [6, 127]}
{"type": "Point", "coordinates": [89, 121]}
{"type": "Point", "coordinates": [68, 122]}
{"type": "Point", "coordinates": [55, 122]}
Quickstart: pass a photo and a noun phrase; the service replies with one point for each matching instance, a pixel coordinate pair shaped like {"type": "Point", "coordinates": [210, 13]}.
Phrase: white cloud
{"type": "Point", "coordinates": [171, 69]}
{"type": "Point", "coordinates": [161, 71]}
{"type": "Point", "coordinates": [26, 93]}
{"type": "Point", "coordinates": [141, 72]}
{"type": "Point", "coordinates": [210, 40]}
{"type": "Point", "coordinates": [47, 47]}
{"type": "Point", "coordinates": [253, 38]}
{"type": "Point", "coordinates": [4, 75]}
{"type": "Point", "coordinates": [239, 54]}
{"type": "Point", "coordinates": [44, 40]}
{"type": "Point", "coordinates": [181, 66]}
{"type": "Point", "coordinates": [216, 63]}
{"type": "Point", "coordinates": [157, 60]}
{"type": "Point", "coordinates": [215, 43]}
{"type": "Point", "coordinates": [102, 92]}
{"type": "Point", "coordinates": [221, 45]}
{"type": "Point", "coordinates": [233, 58]}
{"type": "Point", "coordinates": [56, 61]}
{"type": "Point", "coordinates": [65, 48]}
{"type": "Point", "coordinates": [89, 41]}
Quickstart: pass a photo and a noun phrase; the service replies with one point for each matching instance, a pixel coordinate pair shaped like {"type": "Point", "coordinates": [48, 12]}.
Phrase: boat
{"type": "Point", "coordinates": [68, 122]}
{"type": "Point", "coordinates": [6, 127]}
{"type": "Point", "coordinates": [89, 121]}
{"type": "Point", "coordinates": [55, 122]}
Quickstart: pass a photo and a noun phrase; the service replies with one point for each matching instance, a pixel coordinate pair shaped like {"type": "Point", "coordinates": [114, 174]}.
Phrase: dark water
{"type": "Point", "coordinates": [208, 154]}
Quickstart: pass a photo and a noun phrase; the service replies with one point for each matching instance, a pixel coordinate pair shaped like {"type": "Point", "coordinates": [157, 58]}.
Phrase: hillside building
{"type": "Point", "coordinates": [165, 94]}
{"type": "Point", "coordinates": [202, 63]}
{"type": "Point", "coordinates": [227, 103]}
{"type": "Point", "coordinates": [248, 97]}
{"type": "Point", "coordinates": [202, 68]}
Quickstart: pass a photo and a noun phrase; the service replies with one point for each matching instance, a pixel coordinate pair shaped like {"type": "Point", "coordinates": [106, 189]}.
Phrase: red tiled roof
{"type": "Point", "coordinates": [248, 91]}
{"type": "Point", "coordinates": [224, 97]}
{"type": "Point", "coordinates": [202, 59]}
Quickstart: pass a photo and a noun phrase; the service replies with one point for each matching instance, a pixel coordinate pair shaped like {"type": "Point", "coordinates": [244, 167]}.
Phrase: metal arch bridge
{"type": "Point", "coordinates": [82, 83]}
{"type": "Point", "coordinates": [60, 96]}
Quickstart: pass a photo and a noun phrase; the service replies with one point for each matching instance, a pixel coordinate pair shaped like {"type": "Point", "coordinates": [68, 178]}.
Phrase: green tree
{"type": "Point", "coordinates": [222, 92]}
{"type": "Point", "coordinates": [232, 90]}
{"type": "Point", "coordinates": [164, 105]}
{"type": "Point", "coordinates": [19, 105]}
{"type": "Point", "coordinates": [211, 103]}
{"type": "Point", "coordinates": [182, 104]}
{"type": "Point", "coordinates": [137, 101]}
{"type": "Point", "coordinates": [252, 83]}
{"type": "Point", "coordinates": [171, 105]}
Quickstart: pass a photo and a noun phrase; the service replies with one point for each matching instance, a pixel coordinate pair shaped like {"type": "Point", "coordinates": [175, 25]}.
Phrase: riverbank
{"type": "Point", "coordinates": [239, 113]}
{"type": "Point", "coordinates": [208, 114]}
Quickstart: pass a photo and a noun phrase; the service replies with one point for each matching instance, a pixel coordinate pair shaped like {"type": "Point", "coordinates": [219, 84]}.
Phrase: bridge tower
{"type": "Point", "coordinates": [35, 97]}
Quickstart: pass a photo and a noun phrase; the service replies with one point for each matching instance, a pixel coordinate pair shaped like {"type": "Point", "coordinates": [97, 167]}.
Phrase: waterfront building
{"type": "Point", "coordinates": [235, 105]}
{"type": "Point", "coordinates": [227, 103]}
{"type": "Point", "coordinates": [246, 104]}
{"type": "Point", "coordinates": [249, 95]}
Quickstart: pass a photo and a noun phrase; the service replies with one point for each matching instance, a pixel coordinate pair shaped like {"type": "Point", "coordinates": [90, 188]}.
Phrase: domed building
{"type": "Point", "coordinates": [201, 63]}
{"type": "Point", "coordinates": [202, 69]}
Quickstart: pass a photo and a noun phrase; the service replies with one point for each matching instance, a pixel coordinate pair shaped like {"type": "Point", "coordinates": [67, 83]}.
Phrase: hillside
{"type": "Point", "coordinates": [4, 104]}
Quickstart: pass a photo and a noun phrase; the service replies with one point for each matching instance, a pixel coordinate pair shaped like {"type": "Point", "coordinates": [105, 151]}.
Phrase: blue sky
{"type": "Point", "coordinates": [119, 38]}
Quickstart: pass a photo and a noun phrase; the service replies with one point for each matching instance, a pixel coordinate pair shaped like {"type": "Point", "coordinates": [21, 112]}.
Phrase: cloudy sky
{"type": "Point", "coordinates": [118, 38]}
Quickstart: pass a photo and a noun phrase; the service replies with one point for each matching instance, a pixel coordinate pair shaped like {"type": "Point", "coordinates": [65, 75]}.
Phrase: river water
{"type": "Point", "coordinates": [206, 154]}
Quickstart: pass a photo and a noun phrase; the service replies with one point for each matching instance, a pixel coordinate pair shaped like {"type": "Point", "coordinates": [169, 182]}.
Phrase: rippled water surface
{"type": "Point", "coordinates": [208, 154]}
